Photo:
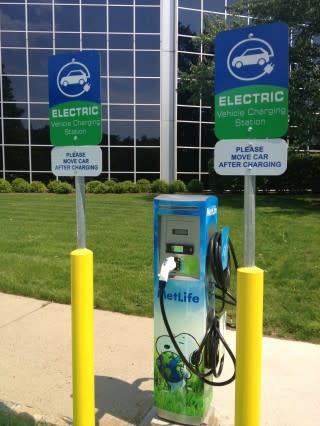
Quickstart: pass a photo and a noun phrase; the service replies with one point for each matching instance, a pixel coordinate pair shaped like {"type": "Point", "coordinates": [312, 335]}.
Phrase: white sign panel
{"type": "Point", "coordinates": [256, 157]}
{"type": "Point", "coordinates": [76, 160]}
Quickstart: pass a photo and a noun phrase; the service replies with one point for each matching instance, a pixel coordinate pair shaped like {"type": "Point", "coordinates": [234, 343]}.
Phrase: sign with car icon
{"type": "Point", "coordinates": [251, 82]}
{"type": "Point", "coordinates": [74, 99]}
{"type": "Point", "coordinates": [74, 77]}
{"type": "Point", "coordinates": [255, 56]}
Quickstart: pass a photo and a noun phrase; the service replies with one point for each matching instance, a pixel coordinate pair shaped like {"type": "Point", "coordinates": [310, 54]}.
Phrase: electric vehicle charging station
{"type": "Point", "coordinates": [191, 272]}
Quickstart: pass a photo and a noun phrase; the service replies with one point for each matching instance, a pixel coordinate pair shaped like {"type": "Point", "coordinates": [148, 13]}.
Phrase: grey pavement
{"type": "Point", "coordinates": [35, 369]}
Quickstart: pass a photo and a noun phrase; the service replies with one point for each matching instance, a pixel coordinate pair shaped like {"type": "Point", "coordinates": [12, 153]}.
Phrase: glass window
{"type": "Point", "coordinates": [105, 133]}
{"type": "Point", "coordinates": [188, 113]}
{"type": "Point", "coordinates": [124, 112]}
{"type": "Point", "coordinates": [71, 41]}
{"type": "Point", "coordinates": [120, 19]}
{"type": "Point", "coordinates": [40, 40]}
{"type": "Point", "coordinates": [121, 63]}
{"type": "Point", "coordinates": [17, 87]}
{"type": "Point", "coordinates": [120, 2]}
{"type": "Point", "coordinates": [148, 90]}
{"type": "Point", "coordinates": [38, 89]}
{"type": "Point", "coordinates": [121, 159]}
{"type": "Point", "coordinates": [68, 1]}
{"type": "Point", "coordinates": [121, 90]}
{"type": "Point", "coordinates": [120, 41]}
{"type": "Point", "coordinates": [39, 110]}
{"type": "Point", "coordinates": [39, 18]}
{"type": "Point", "coordinates": [14, 61]}
{"type": "Point", "coordinates": [14, 110]}
{"type": "Point", "coordinates": [193, 4]}
{"type": "Point", "coordinates": [148, 159]}
{"type": "Point", "coordinates": [155, 2]}
{"type": "Point", "coordinates": [41, 158]}
{"type": "Point", "coordinates": [67, 18]}
{"type": "Point", "coordinates": [103, 91]}
{"type": "Point", "coordinates": [94, 41]}
{"type": "Point", "coordinates": [121, 133]}
{"type": "Point", "coordinates": [105, 158]}
{"type": "Point", "coordinates": [94, 19]}
{"type": "Point", "coordinates": [214, 6]}
{"type": "Point", "coordinates": [12, 17]}
{"type": "Point", "coordinates": [11, 39]}
{"type": "Point", "coordinates": [38, 61]}
{"type": "Point", "coordinates": [148, 133]}
{"type": "Point", "coordinates": [147, 112]}
{"type": "Point", "coordinates": [185, 60]}
{"type": "Point", "coordinates": [148, 175]}
{"type": "Point", "coordinates": [188, 160]}
{"type": "Point", "coordinates": [186, 44]}
{"type": "Point", "coordinates": [148, 64]}
{"type": "Point", "coordinates": [206, 156]}
{"type": "Point", "coordinates": [40, 133]}
{"type": "Point", "coordinates": [15, 131]}
{"type": "Point", "coordinates": [148, 42]}
{"type": "Point", "coordinates": [190, 20]}
{"type": "Point", "coordinates": [147, 20]}
{"type": "Point", "coordinates": [188, 134]}
{"type": "Point", "coordinates": [121, 176]}
{"type": "Point", "coordinates": [207, 115]}
{"type": "Point", "coordinates": [207, 135]}
{"type": "Point", "coordinates": [16, 157]}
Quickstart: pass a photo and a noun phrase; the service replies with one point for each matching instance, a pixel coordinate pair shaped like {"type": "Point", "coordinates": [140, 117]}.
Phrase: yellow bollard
{"type": "Point", "coordinates": [249, 346]}
{"type": "Point", "coordinates": [82, 337]}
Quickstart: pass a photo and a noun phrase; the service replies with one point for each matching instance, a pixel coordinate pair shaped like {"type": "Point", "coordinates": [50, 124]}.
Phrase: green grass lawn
{"type": "Point", "coordinates": [38, 232]}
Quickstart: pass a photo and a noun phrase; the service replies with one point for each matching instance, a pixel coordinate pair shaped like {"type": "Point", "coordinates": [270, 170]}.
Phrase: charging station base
{"type": "Point", "coordinates": [209, 420]}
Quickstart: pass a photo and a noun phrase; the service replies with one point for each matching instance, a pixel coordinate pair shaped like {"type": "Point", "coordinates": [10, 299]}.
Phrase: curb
{"type": "Point", "coordinates": [12, 414]}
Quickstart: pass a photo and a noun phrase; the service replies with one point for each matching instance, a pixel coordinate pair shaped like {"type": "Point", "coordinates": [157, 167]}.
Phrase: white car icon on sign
{"type": "Point", "coordinates": [74, 77]}
{"type": "Point", "coordinates": [254, 56]}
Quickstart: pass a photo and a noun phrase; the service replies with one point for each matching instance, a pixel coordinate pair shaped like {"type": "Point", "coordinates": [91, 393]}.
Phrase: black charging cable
{"type": "Point", "coordinates": [213, 336]}
{"type": "Point", "coordinates": [194, 365]}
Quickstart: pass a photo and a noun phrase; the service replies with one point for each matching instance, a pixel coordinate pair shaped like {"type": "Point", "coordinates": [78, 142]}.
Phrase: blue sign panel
{"type": "Point", "coordinates": [251, 82]}
{"type": "Point", "coordinates": [74, 98]}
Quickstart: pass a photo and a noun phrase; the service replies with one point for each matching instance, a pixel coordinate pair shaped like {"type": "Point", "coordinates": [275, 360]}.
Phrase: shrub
{"type": "Point", "coordinates": [128, 186]}
{"type": "Point", "coordinates": [159, 186]}
{"type": "Point", "coordinates": [37, 186]}
{"type": "Point", "coordinates": [143, 185]}
{"type": "Point", "coordinates": [100, 188]}
{"type": "Point", "coordinates": [59, 187]}
{"type": "Point", "coordinates": [110, 186]}
{"type": "Point", "coordinates": [20, 185]}
{"type": "Point", "coordinates": [195, 185]}
{"type": "Point", "coordinates": [177, 186]}
{"type": "Point", "coordinates": [92, 185]}
{"type": "Point", "coordinates": [5, 186]}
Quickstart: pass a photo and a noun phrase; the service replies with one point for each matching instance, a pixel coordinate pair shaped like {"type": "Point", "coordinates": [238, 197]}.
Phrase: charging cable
{"type": "Point", "coordinates": [168, 266]}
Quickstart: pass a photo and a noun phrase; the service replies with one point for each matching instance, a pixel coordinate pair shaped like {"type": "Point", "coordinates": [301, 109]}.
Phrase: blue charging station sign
{"type": "Point", "coordinates": [74, 99]}
{"type": "Point", "coordinates": [251, 82]}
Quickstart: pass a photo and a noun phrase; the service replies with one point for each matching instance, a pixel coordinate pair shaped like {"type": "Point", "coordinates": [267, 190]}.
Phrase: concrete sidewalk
{"type": "Point", "coordinates": [35, 370]}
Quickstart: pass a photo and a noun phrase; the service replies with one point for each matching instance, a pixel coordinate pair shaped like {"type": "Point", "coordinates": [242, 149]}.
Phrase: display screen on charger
{"type": "Point", "coordinates": [177, 231]}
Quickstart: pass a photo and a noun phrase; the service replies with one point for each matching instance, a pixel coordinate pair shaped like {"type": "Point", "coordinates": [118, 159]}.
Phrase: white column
{"type": "Point", "coordinates": [168, 85]}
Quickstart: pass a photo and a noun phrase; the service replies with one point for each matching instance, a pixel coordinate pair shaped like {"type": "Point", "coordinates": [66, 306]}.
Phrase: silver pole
{"type": "Point", "coordinates": [81, 213]}
{"type": "Point", "coordinates": [249, 220]}
{"type": "Point", "coordinates": [168, 93]}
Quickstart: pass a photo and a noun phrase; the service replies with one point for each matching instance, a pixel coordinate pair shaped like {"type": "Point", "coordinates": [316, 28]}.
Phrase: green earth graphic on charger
{"type": "Point", "coordinates": [169, 363]}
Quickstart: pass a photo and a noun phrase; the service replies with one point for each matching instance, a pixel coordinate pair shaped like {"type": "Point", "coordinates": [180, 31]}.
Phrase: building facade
{"type": "Point", "coordinates": [127, 35]}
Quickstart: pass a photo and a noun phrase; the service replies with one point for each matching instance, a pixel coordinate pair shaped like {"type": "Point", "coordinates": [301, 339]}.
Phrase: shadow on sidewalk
{"type": "Point", "coordinates": [125, 401]}
{"type": "Point", "coordinates": [19, 415]}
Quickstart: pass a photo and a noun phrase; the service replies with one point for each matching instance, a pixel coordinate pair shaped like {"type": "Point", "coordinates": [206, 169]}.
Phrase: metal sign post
{"type": "Point", "coordinates": [81, 211]}
{"type": "Point", "coordinates": [75, 127]}
{"type": "Point", "coordinates": [251, 103]}
{"type": "Point", "coordinates": [249, 220]}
